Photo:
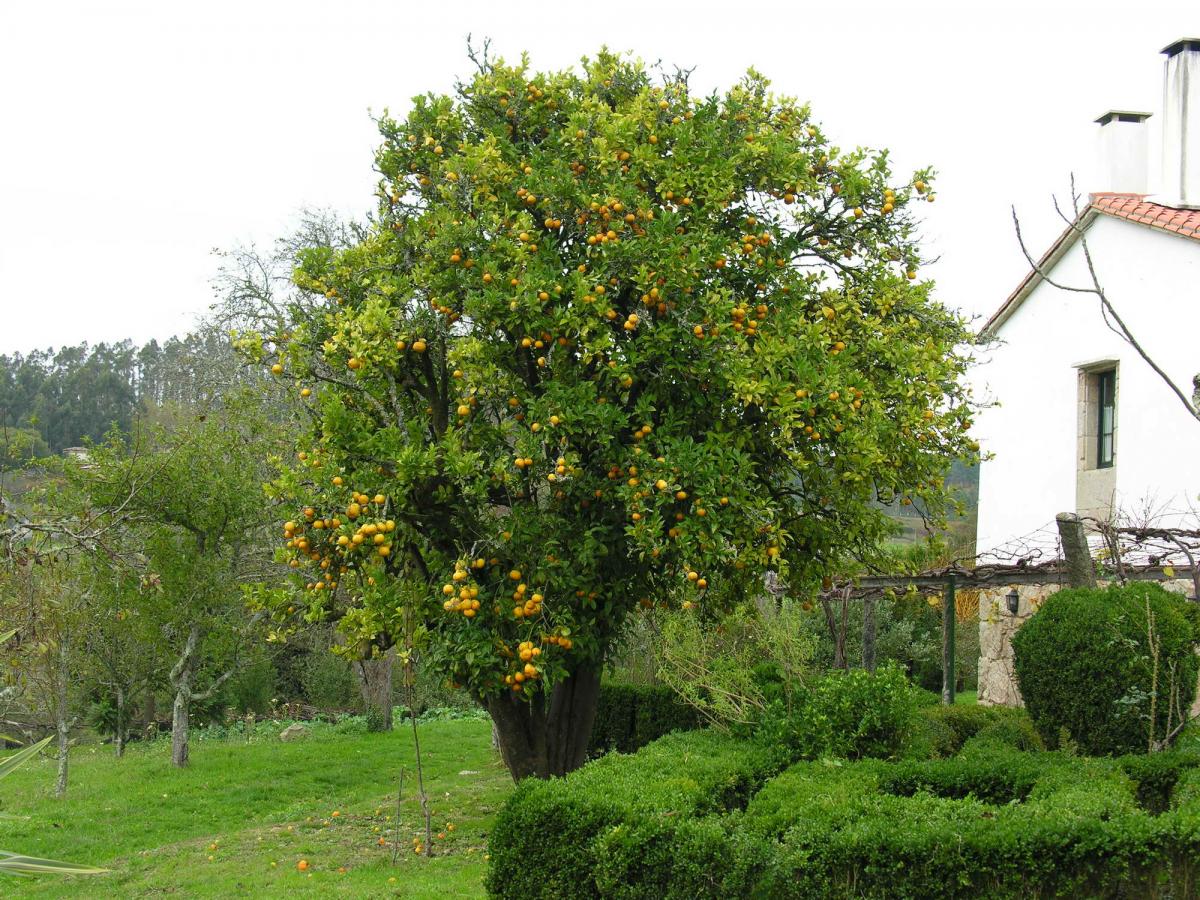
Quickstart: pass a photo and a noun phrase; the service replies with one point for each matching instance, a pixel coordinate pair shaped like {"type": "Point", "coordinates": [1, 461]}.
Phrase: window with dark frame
{"type": "Point", "coordinates": [1106, 412]}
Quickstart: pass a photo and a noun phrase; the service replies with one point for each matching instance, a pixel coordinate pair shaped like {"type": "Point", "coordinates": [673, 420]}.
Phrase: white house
{"type": "Point", "coordinates": [1084, 423]}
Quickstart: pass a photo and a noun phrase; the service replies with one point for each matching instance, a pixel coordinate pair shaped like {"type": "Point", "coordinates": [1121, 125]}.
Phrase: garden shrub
{"type": "Point", "coordinates": [931, 738]}
{"type": "Point", "coordinates": [990, 772]}
{"type": "Point", "coordinates": [992, 822]}
{"type": "Point", "coordinates": [821, 788]}
{"type": "Point", "coordinates": [544, 841]}
{"type": "Point", "coordinates": [679, 859]}
{"type": "Point", "coordinates": [1078, 832]}
{"type": "Point", "coordinates": [732, 670]}
{"type": "Point", "coordinates": [629, 716]}
{"type": "Point", "coordinates": [967, 720]}
{"type": "Point", "coordinates": [328, 681]}
{"type": "Point", "coordinates": [1012, 731]}
{"type": "Point", "coordinates": [850, 715]}
{"type": "Point", "coordinates": [1084, 666]}
{"type": "Point", "coordinates": [1156, 775]}
{"type": "Point", "coordinates": [1186, 792]}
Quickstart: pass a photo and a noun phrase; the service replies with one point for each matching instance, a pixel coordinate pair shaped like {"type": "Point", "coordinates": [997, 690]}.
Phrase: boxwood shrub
{"type": "Point", "coordinates": [1084, 666]}
{"type": "Point", "coordinates": [630, 716]}
{"type": "Point", "coordinates": [993, 821]}
{"type": "Point", "coordinates": [1055, 826]}
{"type": "Point", "coordinates": [544, 842]}
{"type": "Point", "coordinates": [966, 721]}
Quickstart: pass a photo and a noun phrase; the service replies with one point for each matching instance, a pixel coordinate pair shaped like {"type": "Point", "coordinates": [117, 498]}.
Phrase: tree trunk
{"type": "Point", "coordinates": [64, 729]}
{"type": "Point", "coordinates": [546, 737]}
{"type": "Point", "coordinates": [122, 730]}
{"type": "Point", "coordinates": [868, 635]}
{"type": "Point", "coordinates": [61, 725]}
{"type": "Point", "coordinates": [181, 681]}
{"type": "Point", "coordinates": [374, 678]}
{"type": "Point", "coordinates": [179, 726]}
{"type": "Point", "coordinates": [837, 628]}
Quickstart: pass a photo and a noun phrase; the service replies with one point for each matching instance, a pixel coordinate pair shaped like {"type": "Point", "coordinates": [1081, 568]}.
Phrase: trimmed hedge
{"type": "Point", "coordinates": [991, 822]}
{"type": "Point", "coordinates": [630, 716]}
{"type": "Point", "coordinates": [942, 731]}
{"type": "Point", "coordinates": [984, 771]}
{"type": "Point", "coordinates": [1084, 666]}
{"type": "Point", "coordinates": [544, 843]}
{"type": "Point", "coordinates": [1078, 832]}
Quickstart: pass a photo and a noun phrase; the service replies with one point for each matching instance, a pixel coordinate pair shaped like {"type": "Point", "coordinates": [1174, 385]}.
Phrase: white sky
{"type": "Point", "coordinates": [135, 137]}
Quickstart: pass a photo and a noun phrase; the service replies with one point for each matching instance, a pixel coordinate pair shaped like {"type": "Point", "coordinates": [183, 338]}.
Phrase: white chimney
{"type": "Point", "coordinates": [1181, 124]}
{"type": "Point", "coordinates": [1121, 152]}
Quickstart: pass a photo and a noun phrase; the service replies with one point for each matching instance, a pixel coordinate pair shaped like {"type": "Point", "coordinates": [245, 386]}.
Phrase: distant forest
{"type": "Point", "coordinates": [53, 399]}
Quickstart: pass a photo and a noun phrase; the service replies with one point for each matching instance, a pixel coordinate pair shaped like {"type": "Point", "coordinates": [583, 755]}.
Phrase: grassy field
{"type": "Point", "coordinates": [240, 819]}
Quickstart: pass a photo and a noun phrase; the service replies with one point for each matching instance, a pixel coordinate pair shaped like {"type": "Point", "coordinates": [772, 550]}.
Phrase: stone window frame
{"type": "Point", "coordinates": [1088, 410]}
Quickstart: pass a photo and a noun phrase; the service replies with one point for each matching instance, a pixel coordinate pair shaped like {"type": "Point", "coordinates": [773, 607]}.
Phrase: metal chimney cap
{"type": "Point", "coordinates": [1181, 45]}
{"type": "Point", "coordinates": [1122, 115]}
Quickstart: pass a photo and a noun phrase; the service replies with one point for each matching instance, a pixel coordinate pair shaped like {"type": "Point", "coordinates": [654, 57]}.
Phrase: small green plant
{"type": "Point", "coordinates": [849, 715]}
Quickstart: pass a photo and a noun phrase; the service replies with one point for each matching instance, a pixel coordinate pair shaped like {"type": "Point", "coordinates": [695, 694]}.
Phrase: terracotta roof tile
{"type": "Point", "coordinates": [1135, 207]}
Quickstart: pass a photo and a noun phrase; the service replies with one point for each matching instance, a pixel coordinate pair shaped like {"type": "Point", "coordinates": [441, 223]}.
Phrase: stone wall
{"type": "Point", "coordinates": [997, 682]}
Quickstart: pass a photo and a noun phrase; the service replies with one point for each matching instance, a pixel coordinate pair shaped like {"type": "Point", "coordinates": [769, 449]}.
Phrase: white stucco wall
{"type": "Point", "coordinates": [1153, 279]}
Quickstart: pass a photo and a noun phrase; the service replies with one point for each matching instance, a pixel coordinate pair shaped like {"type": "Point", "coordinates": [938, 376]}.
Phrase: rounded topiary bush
{"type": "Point", "coordinates": [1086, 670]}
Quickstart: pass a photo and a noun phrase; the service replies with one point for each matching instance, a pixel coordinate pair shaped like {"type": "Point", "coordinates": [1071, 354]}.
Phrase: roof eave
{"type": "Point", "coordinates": [1049, 259]}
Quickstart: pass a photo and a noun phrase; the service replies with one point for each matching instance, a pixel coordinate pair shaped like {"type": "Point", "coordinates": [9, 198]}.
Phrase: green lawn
{"type": "Point", "coordinates": [237, 822]}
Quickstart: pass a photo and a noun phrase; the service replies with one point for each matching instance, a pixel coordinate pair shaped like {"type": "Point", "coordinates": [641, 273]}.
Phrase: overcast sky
{"type": "Point", "coordinates": [135, 137]}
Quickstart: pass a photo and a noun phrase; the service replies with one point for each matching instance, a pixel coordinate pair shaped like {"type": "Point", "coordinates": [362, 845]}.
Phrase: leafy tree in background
{"type": "Point", "coordinates": [19, 446]}
{"type": "Point", "coordinates": [608, 344]}
{"type": "Point", "coordinates": [191, 499]}
{"type": "Point", "coordinates": [46, 599]}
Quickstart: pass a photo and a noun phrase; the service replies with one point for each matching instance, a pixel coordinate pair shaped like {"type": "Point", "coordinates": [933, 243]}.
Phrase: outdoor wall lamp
{"type": "Point", "coordinates": [1014, 600]}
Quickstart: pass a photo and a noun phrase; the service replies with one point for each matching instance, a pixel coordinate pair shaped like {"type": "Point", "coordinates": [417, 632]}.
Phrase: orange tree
{"type": "Point", "coordinates": [607, 344]}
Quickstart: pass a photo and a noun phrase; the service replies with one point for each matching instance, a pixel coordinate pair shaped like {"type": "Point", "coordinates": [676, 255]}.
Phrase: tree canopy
{"type": "Point", "coordinates": [607, 344]}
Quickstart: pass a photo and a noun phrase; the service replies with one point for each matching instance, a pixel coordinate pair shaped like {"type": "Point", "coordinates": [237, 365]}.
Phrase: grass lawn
{"type": "Point", "coordinates": [237, 822]}
{"type": "Point", "coordinates": [966, 698]}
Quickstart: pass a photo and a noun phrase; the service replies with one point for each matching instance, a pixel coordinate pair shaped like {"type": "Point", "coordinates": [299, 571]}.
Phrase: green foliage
{"type": "Point", "coordinates": [850, 715]}
{"type": "Point", "coordinates": [328, 681]}
{"type": "Point", "coordinates": [547, 837]}
{"type": "Point", "coordinates": [993, 821]}
{"type": "Point", "coordinates": [629, 716]}
{"type": "Point", "coordinates": [1017, 732]}
{"type": "Point", "coordinates": [1008, 725]}
{"type": "Point", "coordinates": [931, 738]}
{"type": "Point", "coordinates": [733, 668]}
{"type": "Point", "coordinates": [908, 633]}
{"type": "Point", "coordinates": [1157, 776]}
{"type": "Point", "coordinates": [53, 399]}
{"type": "Point", "coordinates": [682, 860]}
{"type": "Point", "coordinates": [376, 719]}
{"type": "Point", "coordinates": [633, 344]}
{"type": "Point", "coordinates": [253, 688]}
{"type": "Point", "coordinates": [20, 446]}
{"type": "Point", "coordinates": [1094, 663]}
{"type": "Point", "coordinates": [985, 770]}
